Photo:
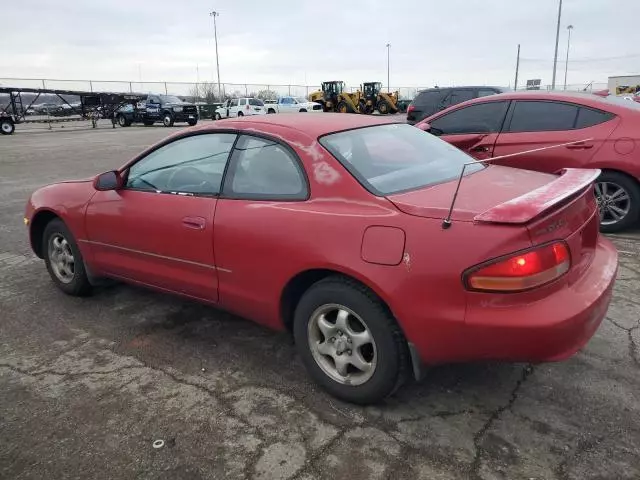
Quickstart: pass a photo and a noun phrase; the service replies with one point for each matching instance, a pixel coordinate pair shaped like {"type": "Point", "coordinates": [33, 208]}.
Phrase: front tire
{"type": "Point", "coordinates": [349, 341]}
{"type": "Point", "coordinates": [64, 260]}
{"type": "Point", "coordinates": [271, 110]}
{"type": "Point", "coordinates": [7, 126]}
{"type": "Point", "coordinates": [342, 107]}
{"type": "Point", "coordinates": [167, 120]}
{"type": "Point", "coordinates": [192, 122]}
{"type": "Point", "coordinates": [240, 114]}
{"type": "Point", "coordinates": [383, 108]}
{"type": "Point", "coordinates": [618, 198]}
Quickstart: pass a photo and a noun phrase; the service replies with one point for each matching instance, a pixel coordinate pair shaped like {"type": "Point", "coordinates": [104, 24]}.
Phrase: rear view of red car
{"type": "Point", "coordinates": [605, 131]}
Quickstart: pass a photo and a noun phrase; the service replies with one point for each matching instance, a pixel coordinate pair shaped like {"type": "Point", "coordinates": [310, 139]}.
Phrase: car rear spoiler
{"type": "Point", "coordinates": [548, 195]}
{"type": "Point", "coordinates": [526, 207]}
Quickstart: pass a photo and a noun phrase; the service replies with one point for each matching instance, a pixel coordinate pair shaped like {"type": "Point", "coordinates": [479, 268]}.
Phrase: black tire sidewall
{"type": "Point", "coordinates": [389, 358]}
{"type": "Point", "coordinates": [80, 284]}
{"type": "Point", "coordinates": [7, 122]}
{"type": "Point", "coordinates": [169, 123]}
{"type": "Point", "coordinates": [240, 114]}
{"type": "Point", "coordinates": [122, 121]}
{"type": "Point", "coordinates": [632, 188]}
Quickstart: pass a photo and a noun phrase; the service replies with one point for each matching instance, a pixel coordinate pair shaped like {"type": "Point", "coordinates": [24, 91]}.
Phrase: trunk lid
{"type": "Point", "coordinates": [550, 207]}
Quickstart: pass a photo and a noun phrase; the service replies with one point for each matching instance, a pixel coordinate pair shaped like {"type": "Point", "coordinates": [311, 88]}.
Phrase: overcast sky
{"type": "Point", "coordinates": [306, 42]}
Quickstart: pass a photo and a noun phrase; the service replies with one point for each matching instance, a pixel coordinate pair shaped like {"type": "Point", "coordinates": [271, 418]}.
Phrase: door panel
{"type": "Point", "coordinates": [159, 239]}
{"type": "Point", "coordinates": [534, 125]}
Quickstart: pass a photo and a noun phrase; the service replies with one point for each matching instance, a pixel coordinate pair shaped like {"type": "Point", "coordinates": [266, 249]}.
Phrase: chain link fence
{"type": "Point", "coordinates": [210, 93]}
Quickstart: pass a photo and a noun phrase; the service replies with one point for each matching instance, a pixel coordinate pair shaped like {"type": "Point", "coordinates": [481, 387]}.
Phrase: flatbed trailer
{"type": "Point", "coordinates": [92, 106]}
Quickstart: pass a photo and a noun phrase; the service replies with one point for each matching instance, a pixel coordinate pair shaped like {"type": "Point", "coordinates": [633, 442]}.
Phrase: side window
{"type": "Point", "coordinates": [234, 103]}
{"type": "Point", "coordinates": [542, 116]}
{"type": "Point", "coordinates": [485, 92]}
{"type": "Point", "coordinates": [479, 118]}
{"type": "Point", "coordinates": [287, 100]}
{"type": "Point", "coordinates": [264, 169]}
{"type": "Point", "coordinates": [192, 164]}
{"type": "Point", "coordinates": [459, 96]}
{"type": "Point", "coordinates": [243, 101]}
{"type": "Point", "coordinates": [428, 98]}
{"type": "Point", "coordinates": [588, 117]}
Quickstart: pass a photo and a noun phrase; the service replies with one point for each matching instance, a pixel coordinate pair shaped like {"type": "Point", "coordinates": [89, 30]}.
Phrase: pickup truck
{"type": "Point", "coordinates": [158, 108]}
{"type": "Point", "coordinates": [292, 104]}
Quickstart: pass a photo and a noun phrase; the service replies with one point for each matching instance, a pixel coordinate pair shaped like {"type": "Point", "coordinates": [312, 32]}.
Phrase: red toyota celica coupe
{"type": "Point", "coordinates": [337, 228]}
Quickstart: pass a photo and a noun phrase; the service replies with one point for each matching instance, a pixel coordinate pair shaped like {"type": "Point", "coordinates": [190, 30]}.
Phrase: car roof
{"type": "Point", "coordinates": [464, 87]}
{"type": "Point", "coordinates": [314, 125]}
{"type": "Point", "coordinates": [582, 98]}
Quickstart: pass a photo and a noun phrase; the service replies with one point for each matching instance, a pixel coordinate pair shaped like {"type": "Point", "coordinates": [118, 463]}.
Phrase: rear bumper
{"type": "Point", "coordinates": [552, 328]}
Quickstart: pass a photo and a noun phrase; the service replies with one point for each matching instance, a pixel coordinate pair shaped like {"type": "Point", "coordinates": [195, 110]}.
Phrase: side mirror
{"type": "Point", "coordinates": [425, 127]}
{"type": "Point", "coordinates": [107, 181]}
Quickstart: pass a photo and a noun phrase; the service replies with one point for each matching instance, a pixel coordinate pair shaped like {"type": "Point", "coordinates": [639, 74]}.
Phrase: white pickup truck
{"type": "Point", "coordinates": [291, 105]}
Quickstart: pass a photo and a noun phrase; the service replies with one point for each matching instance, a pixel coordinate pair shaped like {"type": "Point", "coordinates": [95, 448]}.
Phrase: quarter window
{"type": "Point", "coordinates": [542, 116]}
{"type": "Point", "coordinates": [191, 165]}
{"type": "Point", "coordinates": [588, 117]}
{"type": "Point", "coordinates": [479, 118]}
{"type": "Point", "coordinates": [264, 169]}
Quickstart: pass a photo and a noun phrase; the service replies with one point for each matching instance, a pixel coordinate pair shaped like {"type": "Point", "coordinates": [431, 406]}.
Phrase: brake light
{"type": "Point", "coordinates": [410, 108]}
{"type": "Point", "coordinates": [522, 271]}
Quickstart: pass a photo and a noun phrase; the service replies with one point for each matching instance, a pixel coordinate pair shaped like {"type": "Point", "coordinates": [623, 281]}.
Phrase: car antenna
{"type": "Point", "coordinates": [446, 223]}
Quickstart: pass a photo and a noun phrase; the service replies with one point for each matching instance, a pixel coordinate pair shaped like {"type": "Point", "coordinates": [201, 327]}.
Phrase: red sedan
{"type": "Point", "coordinates": [331, 226]}
{"type": "Point", "coordinates": [514, 122]}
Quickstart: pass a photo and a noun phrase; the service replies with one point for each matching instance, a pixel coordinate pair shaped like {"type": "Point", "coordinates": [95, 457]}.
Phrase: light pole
{"type": "Point", "coordinates": [215, 14]}
{"type": "Point", "coordinates": [566, 64]}
{"type": "Point", "coordinates": [555, 56]}
{"type": "Point", "coordinates": [388, 57]}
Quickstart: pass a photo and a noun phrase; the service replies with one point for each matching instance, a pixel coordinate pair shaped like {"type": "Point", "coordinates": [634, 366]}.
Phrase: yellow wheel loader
{"type": "Point", "coordinates": [372, 98]}
{"type": "Point", "coordinates": [334, 99]}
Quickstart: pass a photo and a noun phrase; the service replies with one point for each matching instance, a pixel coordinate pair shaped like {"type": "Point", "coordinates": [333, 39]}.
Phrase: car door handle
{"type": "Point", "coordinates": [580, 146]}
{"type": "Point", "coordinates": [196, 223]}
{"type": "Point", "coordinates": [480, 148]}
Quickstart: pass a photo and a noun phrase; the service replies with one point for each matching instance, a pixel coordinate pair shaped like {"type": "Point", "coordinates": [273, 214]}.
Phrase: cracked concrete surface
{"type": "Point", "coordinates": [87, 385]}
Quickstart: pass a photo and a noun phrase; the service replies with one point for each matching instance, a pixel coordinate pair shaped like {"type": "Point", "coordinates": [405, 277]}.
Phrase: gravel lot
{"type": "Point", "coordinates": [87, 385]}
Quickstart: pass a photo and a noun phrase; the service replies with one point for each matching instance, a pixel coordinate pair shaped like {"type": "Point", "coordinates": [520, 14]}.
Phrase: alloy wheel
{"type": "Point", "coordinates": [614, 202]}
{"type": "Point", "coordinates": [61, 258]}
{"type": "Point", "coordinates": [342, 344]}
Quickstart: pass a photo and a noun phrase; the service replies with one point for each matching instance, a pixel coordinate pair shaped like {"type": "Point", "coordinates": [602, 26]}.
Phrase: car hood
{"type": "Point", "coordinates": [479, 192]}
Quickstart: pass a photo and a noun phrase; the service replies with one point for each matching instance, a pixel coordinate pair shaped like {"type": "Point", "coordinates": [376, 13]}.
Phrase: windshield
{"type": "Point", "coordinates": [256, 102]}
{"type": "Point", "coordinates": [170, 99]}
{"type": "Point", "coordinates": [394, 158]}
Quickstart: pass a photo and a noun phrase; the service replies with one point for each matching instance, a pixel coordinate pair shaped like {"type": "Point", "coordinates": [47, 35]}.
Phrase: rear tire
{"type": "Point", "coordinates": [342, 107]}
{"type": "Point", "coordinates": [320, 339]}
{"type": "Point", "coordinates": [123, 121]}
{"type": "Point", "coordinates": [240, 114]}
{"type": "Point", "coordinates": [618, 197]}
{"type": "Point", "coordinates": [303, 110]}
{"type": "Point", "coordinates": [271, 110]}
{"type": "Point", "coordinates": [383, 108]}
{"type": "Point", "coordinates": [64, 260]}
{"type": "Point", "coordinates": [7, 127]}
{"type": "Point", "coordinates": [217, 116]}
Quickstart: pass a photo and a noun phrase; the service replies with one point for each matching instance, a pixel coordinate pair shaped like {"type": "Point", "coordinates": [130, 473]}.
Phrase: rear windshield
{"type": "Point", "coordinates": [389, 159]}
{"type": "Point", "coordinates": [256, 102]}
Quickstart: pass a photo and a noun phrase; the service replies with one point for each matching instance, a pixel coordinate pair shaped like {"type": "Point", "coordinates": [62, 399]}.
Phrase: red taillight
{"type": "Point", "coordinates": [522, 271]}
{"type": "Point", "coordinates": [410, 108]}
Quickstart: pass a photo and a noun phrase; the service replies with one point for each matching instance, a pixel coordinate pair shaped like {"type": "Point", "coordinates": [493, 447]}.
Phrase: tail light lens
{"type": "Point", "coordinates": [522, 271]}
{"type": "Point", "coordinates": [410, 108]}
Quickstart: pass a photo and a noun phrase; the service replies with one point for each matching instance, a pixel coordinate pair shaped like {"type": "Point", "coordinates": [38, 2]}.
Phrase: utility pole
{"type": "Point", "coordinates": [555, 56]}
{"type": "Point", "coordinates": [566, 64]}
{"type": "Point", "coordinates": [388, 63]}
{"type": "Point", "coordinates": [515, 83]}
{"type": "Point", "coordinates": [215, 14]}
